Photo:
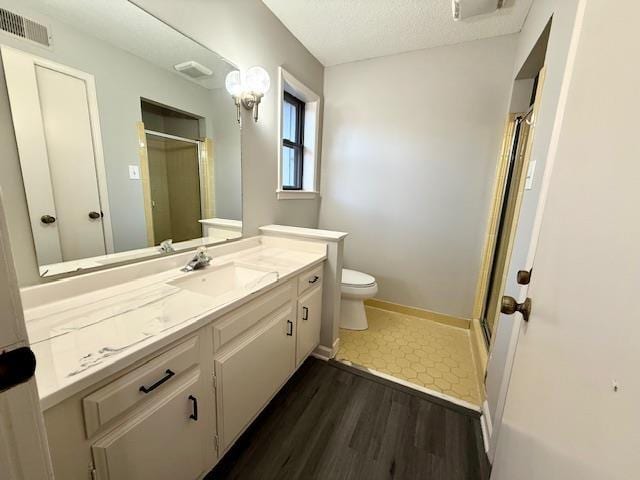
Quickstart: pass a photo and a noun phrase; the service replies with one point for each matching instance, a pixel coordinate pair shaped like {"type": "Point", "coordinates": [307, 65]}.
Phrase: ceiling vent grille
{"type": "Point", "coordinates": [23, 27]}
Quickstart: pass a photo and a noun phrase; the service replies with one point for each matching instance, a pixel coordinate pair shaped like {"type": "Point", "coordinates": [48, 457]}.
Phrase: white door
{"type": "Point", "coordinates": [572, 405]}
{"type": "Point", "coordinates": [57, 133]}
{"type": "Point", "coordinates": [24, 454]}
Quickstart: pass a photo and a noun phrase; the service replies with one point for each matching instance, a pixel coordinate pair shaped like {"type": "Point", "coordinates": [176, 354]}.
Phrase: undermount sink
{"type": "Point", "coordinates": [216, 281]}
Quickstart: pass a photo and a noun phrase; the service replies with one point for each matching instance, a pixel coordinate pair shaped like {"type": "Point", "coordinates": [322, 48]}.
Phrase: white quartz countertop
{"type": "Point", "coordinates": [83, 339]}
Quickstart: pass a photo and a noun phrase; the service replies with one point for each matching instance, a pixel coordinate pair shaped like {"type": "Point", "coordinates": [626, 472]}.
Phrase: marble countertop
{"type": "Point", "coordinates": [82, 339]}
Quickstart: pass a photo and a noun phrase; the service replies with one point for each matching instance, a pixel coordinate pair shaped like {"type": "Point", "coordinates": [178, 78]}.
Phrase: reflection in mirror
{"type": "Point", "coordinates": [127, 141]}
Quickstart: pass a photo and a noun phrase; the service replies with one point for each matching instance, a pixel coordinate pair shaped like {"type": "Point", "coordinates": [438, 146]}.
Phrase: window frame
{"type": "Point", "coordinates": [298, 145]}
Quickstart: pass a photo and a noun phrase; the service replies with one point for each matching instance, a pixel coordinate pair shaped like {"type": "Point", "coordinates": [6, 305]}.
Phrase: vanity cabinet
{"type": "Point", "coordinates": [163, 442]}
{"type": "Point", "coordinates": [173, 414]}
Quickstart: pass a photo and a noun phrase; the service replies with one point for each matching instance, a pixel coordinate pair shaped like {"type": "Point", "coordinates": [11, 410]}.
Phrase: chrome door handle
{"type": "Point", "coordinates": [510, 306]}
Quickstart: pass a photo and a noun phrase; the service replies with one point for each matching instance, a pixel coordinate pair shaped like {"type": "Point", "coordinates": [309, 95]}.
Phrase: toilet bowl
{"type": "Point", "coordinates": [356, 287]}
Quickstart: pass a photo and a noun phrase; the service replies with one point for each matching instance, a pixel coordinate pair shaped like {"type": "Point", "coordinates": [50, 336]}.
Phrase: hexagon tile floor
{"type": "Point", "coordinates": [419, 351]}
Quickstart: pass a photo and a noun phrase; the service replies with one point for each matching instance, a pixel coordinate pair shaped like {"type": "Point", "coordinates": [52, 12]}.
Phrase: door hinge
{"type": "Point", "coordinates": [216, 445]}
{"type": "Point", "coordinates": [93, 474]}
{"type": "Point", "coordinates": [215, 383]}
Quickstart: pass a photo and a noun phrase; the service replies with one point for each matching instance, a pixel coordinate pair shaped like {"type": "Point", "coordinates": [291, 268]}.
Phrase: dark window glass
{"type": "Point", "coordinates": [292, 142]}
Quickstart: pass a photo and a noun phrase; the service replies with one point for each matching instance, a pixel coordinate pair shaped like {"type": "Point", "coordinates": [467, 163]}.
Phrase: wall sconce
{"type": "Point", "coordinates": [248, 91]}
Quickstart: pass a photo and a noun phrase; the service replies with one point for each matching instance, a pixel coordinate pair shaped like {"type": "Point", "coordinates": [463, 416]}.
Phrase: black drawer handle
{"type": "Point", "coordinates": [305, 313]}
{"type": "Point", "coordinates": [168, 375]}
{"type": "Point", "coordinates": [289, 328]}
{"type": "Point", "coordinates": [194, 415]}
{"type": "Point", "coordinates": [314, 279]}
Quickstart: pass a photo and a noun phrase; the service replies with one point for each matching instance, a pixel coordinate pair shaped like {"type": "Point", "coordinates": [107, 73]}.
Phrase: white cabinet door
{"type": "Point", "coordinates": [167, 441]}
{"type": "Point", "coordinates": [250, 373]}
{"type": "Point", "coordinates": [309, 321]}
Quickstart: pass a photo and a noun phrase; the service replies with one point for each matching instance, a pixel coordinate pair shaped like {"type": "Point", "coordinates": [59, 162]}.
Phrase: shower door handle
{"type": "Point", "coordinates": [509, 306]}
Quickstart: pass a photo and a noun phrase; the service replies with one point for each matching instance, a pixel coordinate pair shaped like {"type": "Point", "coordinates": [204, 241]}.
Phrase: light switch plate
{"type": "Point", "coordinates": [528, 183]}
{"type": "Point", "coordinates": [134, 172]}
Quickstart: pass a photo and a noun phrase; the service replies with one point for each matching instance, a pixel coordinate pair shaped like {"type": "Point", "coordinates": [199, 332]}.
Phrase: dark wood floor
{"type": "Point", "coordinates": [334, 422]}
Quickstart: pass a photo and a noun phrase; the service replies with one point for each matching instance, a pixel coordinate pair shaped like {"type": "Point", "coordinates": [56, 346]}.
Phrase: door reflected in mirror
{"type": "Point", "coordinates": [127, 142]}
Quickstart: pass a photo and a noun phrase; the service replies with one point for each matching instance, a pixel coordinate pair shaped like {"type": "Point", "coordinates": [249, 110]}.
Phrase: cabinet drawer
{"type": "Point", "coordinates": [163, 442]}
{"type": "Point", "coordinates": [310, 279]}
{"type": "Point", "coordinates": [245, 317]}
{"type": "Point", "coordinates": [142, 383]}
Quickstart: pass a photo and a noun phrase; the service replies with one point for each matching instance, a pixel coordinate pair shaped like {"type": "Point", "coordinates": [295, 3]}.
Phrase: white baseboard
{"type": "Point", "coordinates": [325, 353]}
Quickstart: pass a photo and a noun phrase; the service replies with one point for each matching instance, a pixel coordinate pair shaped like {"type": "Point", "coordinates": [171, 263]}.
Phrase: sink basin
{"type": "Point", "coordinates": [220, 280]}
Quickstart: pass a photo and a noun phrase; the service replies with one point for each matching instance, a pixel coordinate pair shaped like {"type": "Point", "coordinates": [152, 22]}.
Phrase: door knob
{"type": "Point", "coordinates": [524, 277]}
{"type": "Point", "coordinates": [94, 215]}
{"type": "Point", "coordinates": [510, 306]}
{"type": "Point", "coordinates": [47, 219]}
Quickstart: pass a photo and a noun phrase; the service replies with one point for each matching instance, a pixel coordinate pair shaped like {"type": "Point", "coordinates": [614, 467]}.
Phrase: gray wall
{"type": "Point", "coordinates": [410, 149]}
{"type": "Point", "coordinates": [247, 33]}
{"type": "Point", "coordinates": [121, 79]}
{"type": "Point", "coordinates": [226, 153]}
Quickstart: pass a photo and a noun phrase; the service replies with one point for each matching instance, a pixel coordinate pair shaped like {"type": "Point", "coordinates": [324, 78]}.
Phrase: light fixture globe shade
{"type": "Point", "coordinates": [257, 80]}
{"type": "Point", "coordinates": [233, 83]}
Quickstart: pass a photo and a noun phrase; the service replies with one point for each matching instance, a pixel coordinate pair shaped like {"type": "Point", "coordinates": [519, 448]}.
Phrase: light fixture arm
{"type": "Point", "coordinates": [250, 101]}
{"type": "Point", "coordinates": [248, 89]}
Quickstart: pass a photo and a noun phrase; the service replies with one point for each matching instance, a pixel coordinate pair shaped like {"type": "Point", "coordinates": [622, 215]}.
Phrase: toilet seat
{"type": "Point", "coordinates": [354, 279]}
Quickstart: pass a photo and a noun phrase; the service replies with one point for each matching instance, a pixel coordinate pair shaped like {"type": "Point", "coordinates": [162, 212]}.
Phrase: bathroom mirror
{"type": "Point", "coordinates": [127, 141]}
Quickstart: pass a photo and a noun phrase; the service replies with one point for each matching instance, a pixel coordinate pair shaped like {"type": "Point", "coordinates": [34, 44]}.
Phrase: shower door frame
{"type": "Point", "coordinates": [203, 187]}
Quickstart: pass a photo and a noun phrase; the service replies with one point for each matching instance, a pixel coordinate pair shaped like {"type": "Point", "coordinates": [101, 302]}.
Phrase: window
{"type": "Point", "coordinates": [298, 139]}
{"type": "Point", "coordinates": [292, 142]}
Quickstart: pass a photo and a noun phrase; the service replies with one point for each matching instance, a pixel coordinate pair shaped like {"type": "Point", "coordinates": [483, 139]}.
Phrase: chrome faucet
{"type": "Point", "coordinates": [166, 246]}
{"type": "Point", "coordinates": [199, 260]}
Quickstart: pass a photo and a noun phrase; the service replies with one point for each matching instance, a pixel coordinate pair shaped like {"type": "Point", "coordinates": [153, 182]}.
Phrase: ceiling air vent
{"type": "Point", "coordinates": [193, 69]}
{"type": "Point", "coordinates": [22, 27]}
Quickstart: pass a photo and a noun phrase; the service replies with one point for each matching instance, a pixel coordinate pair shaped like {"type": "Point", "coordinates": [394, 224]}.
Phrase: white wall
{"type": "Point", "coordinates": [410, 150]}
{"type": "Point", "coordinates": [563, 418]}
{"type": "Point", "coordinates": [121, 80]}
{"type": "Point", "coordinates": [563, 13]}
{"type": "Point", "coordinates": [247, 33]}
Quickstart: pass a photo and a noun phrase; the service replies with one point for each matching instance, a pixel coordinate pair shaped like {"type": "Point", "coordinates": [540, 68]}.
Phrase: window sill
{"type": "Point", "coordinates": [297, 194]}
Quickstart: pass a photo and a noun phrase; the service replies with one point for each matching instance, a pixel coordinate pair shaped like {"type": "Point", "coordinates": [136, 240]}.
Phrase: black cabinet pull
{"type": "Point", "coordinates": [305, 313]}
{"type": "Point", "coordinates": [168, 375]}
{"type": "Point", "coordinates": [194, 415]}
{"type": "Point", "coordinates": [48, 219]}
{"type": "Point", "coordinates": [94, 215]}
{"type": "Point", "coordinates": [289, 328]}
{"type": "Point", "coordinates": [314, 279]}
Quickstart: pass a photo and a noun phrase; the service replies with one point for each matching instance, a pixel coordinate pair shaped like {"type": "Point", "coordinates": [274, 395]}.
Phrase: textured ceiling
{"type": "Point", "coordinates": [126, 26]}
{"type": "Point", "coordinates": [340, 31]}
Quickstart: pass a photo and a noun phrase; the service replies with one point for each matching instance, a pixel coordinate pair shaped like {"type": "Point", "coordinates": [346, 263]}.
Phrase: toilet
{"type": "Point", "coordinates": [356, 287]}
